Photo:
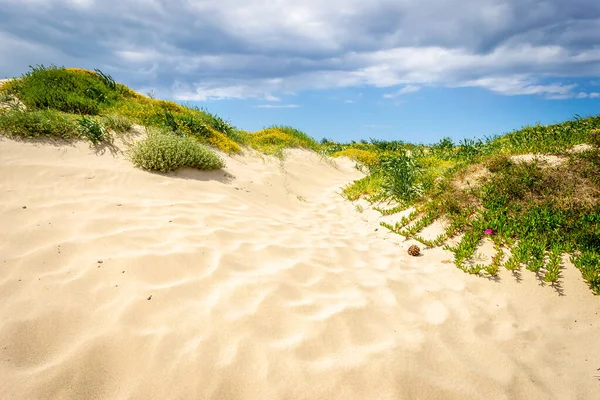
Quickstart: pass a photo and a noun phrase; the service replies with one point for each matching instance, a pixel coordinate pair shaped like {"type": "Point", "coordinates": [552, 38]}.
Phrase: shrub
{"type": "Point", "coordinates": [117, 123]}
{"type": "Point", "coordinates": [498, 163]}
{"type": "Point", "coordinates": [166, 152]}
{"type": "Point", "coordinates": [40, 123]}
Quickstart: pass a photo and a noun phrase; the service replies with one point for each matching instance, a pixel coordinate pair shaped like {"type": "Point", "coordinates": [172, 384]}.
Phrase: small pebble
{"type": "Point", "coordinates": [123, 272]}
{"type": "Point", "coordinates": [24, 207]}
{"type": "Point", "coordinates": [100, 261]}
{"type": "Point", "coordinates": [150, 297]}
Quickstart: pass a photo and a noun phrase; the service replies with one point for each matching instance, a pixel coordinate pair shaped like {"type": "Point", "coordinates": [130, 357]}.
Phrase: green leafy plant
{"type": "Point", "coordinates": [588, 262]}
{"type": "Point", "coordinates": [400, 177]}
{"type": "Point", "coordinates": [92, 130]}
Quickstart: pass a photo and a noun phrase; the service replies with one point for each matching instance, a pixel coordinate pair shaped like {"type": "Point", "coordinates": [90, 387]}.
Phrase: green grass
{"type": "Point", "coordinates": [368, 187]}
{"type": "Point", "coordinates": [63, 90]}
{"type": "Point", "coordinates": [38, 124]}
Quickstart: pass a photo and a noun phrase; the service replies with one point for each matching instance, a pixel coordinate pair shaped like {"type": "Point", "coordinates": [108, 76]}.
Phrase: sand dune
{"type": "Point", "coordinates": [259, 282]}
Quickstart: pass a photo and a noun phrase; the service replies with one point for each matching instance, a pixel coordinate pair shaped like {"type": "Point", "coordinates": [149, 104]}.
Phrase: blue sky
{"type": "Point", "coordinates": [411, 70]}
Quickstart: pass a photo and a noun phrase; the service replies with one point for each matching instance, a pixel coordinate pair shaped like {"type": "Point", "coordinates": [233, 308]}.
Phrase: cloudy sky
{"type": "Point", "coordinates": [346, 69]}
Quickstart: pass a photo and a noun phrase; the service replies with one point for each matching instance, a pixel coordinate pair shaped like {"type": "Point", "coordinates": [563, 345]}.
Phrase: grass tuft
{"type": "Point", "coordinates": [92, 130]}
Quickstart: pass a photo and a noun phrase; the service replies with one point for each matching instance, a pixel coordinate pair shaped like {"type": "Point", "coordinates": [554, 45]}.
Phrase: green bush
{"type": "Point", "coordinates": [117, 123]}
{"type": "Point", "coordinates": [72, 91]}
{"type": "Point", "coordinates": [40, 123]}
{"type": "Point", "coordinates": [166, 152]}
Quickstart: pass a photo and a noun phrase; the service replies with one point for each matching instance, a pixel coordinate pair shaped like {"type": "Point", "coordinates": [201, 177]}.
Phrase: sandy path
{"type": "Point", "coordinates": [264, 285]}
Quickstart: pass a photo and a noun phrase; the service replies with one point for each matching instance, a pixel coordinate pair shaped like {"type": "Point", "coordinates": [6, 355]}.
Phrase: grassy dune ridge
{"type": "Point", "coordinates": [533, 209]}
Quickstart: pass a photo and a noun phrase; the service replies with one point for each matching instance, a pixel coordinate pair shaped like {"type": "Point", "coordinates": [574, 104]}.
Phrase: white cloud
{"type": "Point", "coordinates": [519, 85]}
{"type": "Point", "coordinates": [270, 97]}
{"type": "Point", "coordinates": [234, 49]}
{"type": "Point", "coordinates": [583, 95]}
{"type": "Point", "coordinates": [405, 90]}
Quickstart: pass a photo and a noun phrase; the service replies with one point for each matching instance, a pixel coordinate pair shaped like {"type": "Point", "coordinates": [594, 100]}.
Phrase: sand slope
{"type": "Point", "coordinates": [263, 283]}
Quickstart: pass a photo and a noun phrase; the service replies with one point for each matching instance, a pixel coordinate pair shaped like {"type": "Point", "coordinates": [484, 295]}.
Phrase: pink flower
{"type": "Point", "coordinates": [593, 132]}
{"type": "Point", "coordinates": [488, 231]}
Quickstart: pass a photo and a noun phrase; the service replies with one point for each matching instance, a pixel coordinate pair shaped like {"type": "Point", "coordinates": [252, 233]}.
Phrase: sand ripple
{"type": "Point", "coordinates": [266, 286]}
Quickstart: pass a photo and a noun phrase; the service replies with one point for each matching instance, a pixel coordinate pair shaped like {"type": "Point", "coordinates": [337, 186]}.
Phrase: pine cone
{"type": "Point", "coordinates": [414, 250]}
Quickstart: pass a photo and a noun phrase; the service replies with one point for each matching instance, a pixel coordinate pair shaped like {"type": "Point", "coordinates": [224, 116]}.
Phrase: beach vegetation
{"type": "Point", "coordinates": [165, 151]}
{"type": "Point", "coordinates": [533, 193]}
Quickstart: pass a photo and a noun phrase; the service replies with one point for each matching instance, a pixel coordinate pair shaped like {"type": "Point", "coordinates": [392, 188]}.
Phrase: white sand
{"type": "Point", "coordinates": [267, 285]}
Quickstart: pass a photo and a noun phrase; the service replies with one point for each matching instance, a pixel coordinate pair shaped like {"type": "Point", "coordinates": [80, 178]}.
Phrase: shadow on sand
{"type": "Point", "coordinates": [219, 175]}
